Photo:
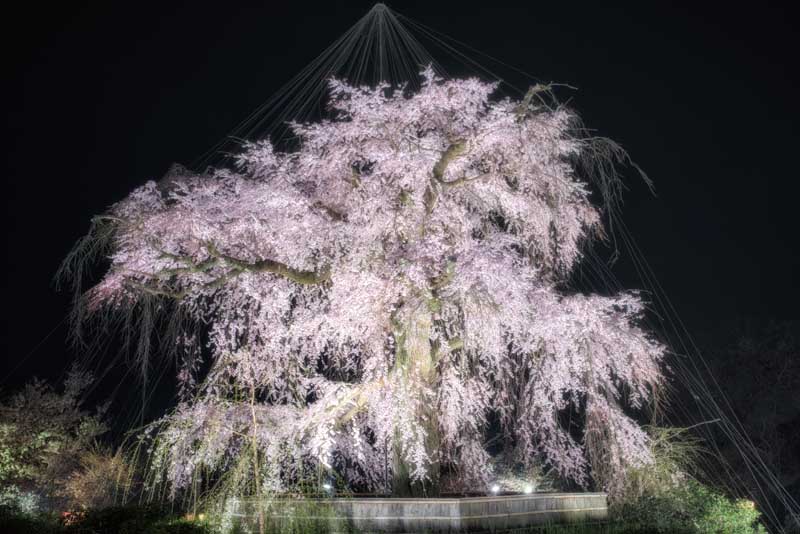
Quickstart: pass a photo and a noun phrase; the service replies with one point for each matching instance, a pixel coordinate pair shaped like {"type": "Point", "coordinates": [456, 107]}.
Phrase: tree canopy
{"type": "Point", "coordinates": [371, 299]}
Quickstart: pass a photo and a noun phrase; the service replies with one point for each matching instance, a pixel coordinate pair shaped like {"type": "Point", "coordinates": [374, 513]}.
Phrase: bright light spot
{"type": "Point", "coordinates": [201, 517]}
{"type": "Point", "coordinates": [528, 489]}
{"type": "Point", "coordinates": [327, 487]}
{"type": "Point", "coordinates": [495, 489]}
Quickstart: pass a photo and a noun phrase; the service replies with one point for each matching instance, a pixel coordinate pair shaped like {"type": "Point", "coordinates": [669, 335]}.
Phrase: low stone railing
{"type": "Point", "coordinates": [396, 515]}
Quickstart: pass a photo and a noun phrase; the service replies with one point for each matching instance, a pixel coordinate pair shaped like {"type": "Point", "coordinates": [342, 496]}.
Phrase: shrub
{"type": "Point", "coordinates": [719, 514]}
{"type": "Point", "coordinates": [13, 522]}
{"type": "Point", "coordinates": [43, 432]}
{"type": "Point", "coordinates": [17, 501]}
{"type": "Point", "coordinates": [691, 508]}
{"type": "Point", "coordinates": [116, 520]}
{"type": "Point", "coordinates": [663, 498]}
{"type": "Point", "coordinates": [134, 520]}
{"type": "Point", "coordinates": [101, 480]}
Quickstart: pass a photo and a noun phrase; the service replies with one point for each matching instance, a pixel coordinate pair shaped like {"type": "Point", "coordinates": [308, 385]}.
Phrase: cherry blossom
{"type": "Point", "coordinates": [374, 297]}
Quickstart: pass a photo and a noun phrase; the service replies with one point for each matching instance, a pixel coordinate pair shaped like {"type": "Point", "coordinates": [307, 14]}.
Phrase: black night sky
{"type": "Point", "coordinates": [104, 97]}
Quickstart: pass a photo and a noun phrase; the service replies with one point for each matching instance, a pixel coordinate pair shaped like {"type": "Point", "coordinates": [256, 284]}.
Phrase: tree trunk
{"type": "Point", "coordinates": [416, 361]}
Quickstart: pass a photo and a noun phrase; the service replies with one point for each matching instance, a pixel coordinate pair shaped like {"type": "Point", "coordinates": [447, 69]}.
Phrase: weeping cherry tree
{"type": "Point", "coordinates": [375, 302]}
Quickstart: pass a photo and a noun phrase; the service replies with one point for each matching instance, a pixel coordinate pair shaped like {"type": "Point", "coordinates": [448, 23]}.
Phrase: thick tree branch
{"type": "Point", "coordinates": [445, 278]}
{"type": "Point", "coordinates": [334, 214]}
{"type": "Point", "coordinates": [269, 266]}
{"type": "Point", "coordinates": [525, 106]}
{"type": "Point", "coordinates": [432, 191]}
{"type": "Point", "coordinates": [452, 152]}
{"type": "Point", "coordinates": [155, 291]}
{"type": "Point", "coordinates": [237, 267]}
{"type": "Point", "coordinates": [465, 179]}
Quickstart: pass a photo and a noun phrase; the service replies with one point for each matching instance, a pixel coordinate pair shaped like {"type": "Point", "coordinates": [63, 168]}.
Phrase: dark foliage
{"type": "Point", "coordinates": [120, 520]}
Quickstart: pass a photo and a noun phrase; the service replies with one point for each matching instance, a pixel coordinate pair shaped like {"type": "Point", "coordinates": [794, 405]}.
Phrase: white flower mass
{"type": "Point", "coordinates": [386, 290]}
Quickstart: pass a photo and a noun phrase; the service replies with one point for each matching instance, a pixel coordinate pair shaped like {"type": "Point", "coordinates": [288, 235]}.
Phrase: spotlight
{"type": "Point", "coordinates": [327, 486]}
{"type": "Point", "coordinates": [528, 489]}
{"type": "Point", "coordinates": [495, 489]}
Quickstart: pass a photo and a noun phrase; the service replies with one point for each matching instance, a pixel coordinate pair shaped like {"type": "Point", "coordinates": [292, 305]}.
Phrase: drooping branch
{"type": "Point", "coordinates": [156, 291]}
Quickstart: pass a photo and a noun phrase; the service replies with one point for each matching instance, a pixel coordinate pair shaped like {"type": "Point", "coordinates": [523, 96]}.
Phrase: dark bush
{"type": "Point", "coordinates": [14, 522]}
{"type": "Point", "coordinates": [133, 520]}
{"type": "Point", "coordinates": [127, 520]}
